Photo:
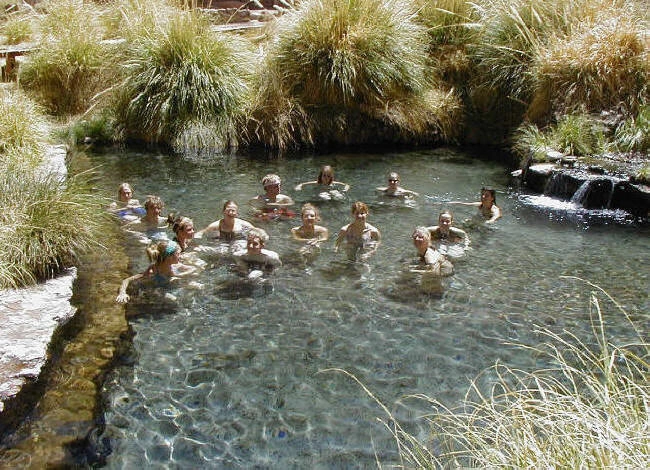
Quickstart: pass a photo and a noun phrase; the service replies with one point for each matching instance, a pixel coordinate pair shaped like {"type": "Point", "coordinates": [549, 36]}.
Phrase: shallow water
{"type": "Point", "coordinates": [241, 376]}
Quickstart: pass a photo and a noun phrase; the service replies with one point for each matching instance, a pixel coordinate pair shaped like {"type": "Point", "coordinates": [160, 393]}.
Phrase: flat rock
{"type": "Point", "coordinates": [29, 318]}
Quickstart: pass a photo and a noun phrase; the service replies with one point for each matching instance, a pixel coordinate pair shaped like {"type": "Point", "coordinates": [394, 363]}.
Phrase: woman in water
{"type": "Point", "coordinates": [272, 204]}
{"type": "Point", "coordinates": [257, 260]}
{"type": "Point", "coordinates": [126, 208]}
{"type": "Point", "coordinates": [166, 266]}
{"type": "Point", "coordinates": [359, 235]}
{"type": "Point", "coordinates": [431, 263]}
{"type": "Point", "coordinates": [152, 224]}
{"type": "Point", "coordinates": [326, 184]}
{"type": "Point", "coordinates": [183, 229]}
{"type": "Point", "coordinates": [394, 189]}
{"type": "Point", "coordinates": [228, 228]}
{"type": "Point", "coordinates": [487, 207]}
{"type": "Point", "coordinates": [309, 232]}
{"type": "Point", "coordinates": [430, 259]}
{"type": "Point", "coordinates": [444, 232]}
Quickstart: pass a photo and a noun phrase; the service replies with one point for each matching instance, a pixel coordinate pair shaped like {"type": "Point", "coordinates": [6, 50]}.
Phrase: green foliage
{"type": "Point", "coordinates": [46, 220]}
{"type": "Point", "coordinates": [351, 66]}
{"type": "Point", "coordinates": [529, 141]}
{"type": "Point", "coordinates": [47, 223]}
{"type": "Point", "coordinates": [448, 22]}
{"type": "Point", "coordinates": [99, 129]}
{"type": "Point", "coordinates": [511, 34]}
{"type": "Point", "coordinates": [71, 65]}
{"type": "Point", "coordinates": [633, 134]}
{"type": "Point", "coordinates": [21, 125]}
{"type": "Point", "coordinates": [575, 134]}
{"type": "Point", "coordinates": [181, 74]}
{"type": "Point", "coordinates": [351, 52]}
{"type": "Point", "coordinates": [600, 64]}
{"type": "Point", "coordinates": [643, 175]}
{"type": "Point", "coordinates": [17, 28]}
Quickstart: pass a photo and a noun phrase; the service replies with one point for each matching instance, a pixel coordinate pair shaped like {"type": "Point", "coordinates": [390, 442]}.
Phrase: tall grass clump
{"type": "Point", "coordinates": [45, 221]}
{"type": "Point", "coordinates": [511, 34]}
{"type": "Point", "coordinates": [602, 63]}
{"type": "Point", "coordinates": [573, 134]}
{"type": "Point", "coordinates": [71, 65]}
{"type": "Point", "coordinates": [452, 28]}
{"type": "Point", "coordinates": [588, 409]}
{"type": "Point", "coordinates": [130, 19]}
{"type": "Point", "coordinates": [355, 66]}
{"type": "Point", "coordinates": [17, 27]}
{"type": "Point", "coordinates": [184, 86]}
{"type": "Point", "coordinates": [633, 134]}
{"type": "Point", "coordinates": [22, 126]}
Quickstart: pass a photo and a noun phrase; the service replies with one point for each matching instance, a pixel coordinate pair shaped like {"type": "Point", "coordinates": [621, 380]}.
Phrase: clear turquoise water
{"type": "Point", "coordinates": [237, 377]}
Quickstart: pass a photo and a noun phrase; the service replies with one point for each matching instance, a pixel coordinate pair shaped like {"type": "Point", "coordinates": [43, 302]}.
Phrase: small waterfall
{"type": "Point", "coordinates": [594, 194]}
{"type": "Point", "coordinates": [581, 194]}
{"type": "Point", "coordinates": [563, 185]}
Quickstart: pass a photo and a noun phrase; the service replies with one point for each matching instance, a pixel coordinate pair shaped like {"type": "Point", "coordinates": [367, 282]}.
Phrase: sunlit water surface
{"type": "Point", "coordinates": [238, 376]}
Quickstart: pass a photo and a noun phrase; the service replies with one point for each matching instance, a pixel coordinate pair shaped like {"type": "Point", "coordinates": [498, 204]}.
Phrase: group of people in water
{"type": "Point", "coordinates": [172, 259]}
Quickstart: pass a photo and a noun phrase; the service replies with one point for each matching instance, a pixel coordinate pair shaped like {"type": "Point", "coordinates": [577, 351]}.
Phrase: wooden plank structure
{"type": "Point", "coordinates": [8, 54]}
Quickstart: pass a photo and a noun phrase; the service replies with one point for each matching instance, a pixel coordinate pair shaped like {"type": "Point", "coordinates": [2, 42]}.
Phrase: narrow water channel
{"type": "Point", "coordinates": [234, 376]}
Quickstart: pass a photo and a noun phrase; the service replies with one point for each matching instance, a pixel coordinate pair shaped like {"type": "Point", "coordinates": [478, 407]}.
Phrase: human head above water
{"type": "Point", "coordinates": [446, 214]}
{"type": "Point", "coordinates": [359, 208]}
{"type": "Point", "coordinates": [259, 234]}
{"type": "Point", "coordinates": [489, 191]}
{"type": "Point", "coordinates": [154, 202]}
{"type": "Point", "coordinates": [393, 177]}
{"type": "Point", "coordinates": [124, 192]}
{"type": "Point", "coordinates": [179, 223]}
{"type": "Point", "coordinates": [421, 233]}
{"type": "Point", "coordinates": [229, 203]}
{"type": "Point", "coordinates": [310, 207]}
{"type": "Point", "coordinates": [271, 180]}
{"type": "Point", "coordinates": [326, 175]}
{"type": "Point", "coordinates": [159, 252]}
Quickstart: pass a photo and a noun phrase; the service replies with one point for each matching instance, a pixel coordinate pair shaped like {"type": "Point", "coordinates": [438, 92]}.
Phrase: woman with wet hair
{"type": "Point", "coordinates": [165, 266]}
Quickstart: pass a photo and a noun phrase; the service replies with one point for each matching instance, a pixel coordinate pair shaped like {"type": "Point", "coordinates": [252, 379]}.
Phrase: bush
{"type": "Point", "coordinates": [71, 65]}
{"type": "Point", "coordinates": [181, 79]}
{"type": "Point", "coordinates": [21, 126]}
{"type": "Point", "coordinates": [575, 134]}
{"type": "Point", "coordinates": [633, 134]}
{"type": "Point", "coordinates": [351, 65]}
{"type": "Point", "coordinates": [17, 28]}
{"type": "Point", "coordinates": [46, 223]}
{"type": "Point", "coordinates": [600, 64]}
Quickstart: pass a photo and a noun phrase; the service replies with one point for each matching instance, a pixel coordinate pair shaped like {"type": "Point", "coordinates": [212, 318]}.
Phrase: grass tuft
{"type": "Point", "coordinates": [17, 27]}
{"type": "Point", "coordinates": [633, 134]}
{"type": "Point", "coordinates": [345, 62]}
{"type": "Point", "coordinates": [46, 227]}
{"type": "Point", "coordinates": [574, 134]}
{"type": "Point", "coordinates": [71, 65]}
{"type": "Point", "coordinates": [21, 125]}
{"type": "Point", "coordinates": [181, 74]}
{"type": "Point", "coordinates": [600, 64]}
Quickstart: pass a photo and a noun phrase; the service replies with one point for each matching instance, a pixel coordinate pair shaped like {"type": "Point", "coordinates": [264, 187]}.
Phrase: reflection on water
{"type": "Point", "coordinates": [238, 374]}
